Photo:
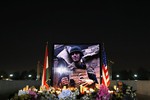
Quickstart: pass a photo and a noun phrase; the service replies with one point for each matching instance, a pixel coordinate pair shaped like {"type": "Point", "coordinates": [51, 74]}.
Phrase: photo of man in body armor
{"type": "Point", "coordinates": [82, 65]}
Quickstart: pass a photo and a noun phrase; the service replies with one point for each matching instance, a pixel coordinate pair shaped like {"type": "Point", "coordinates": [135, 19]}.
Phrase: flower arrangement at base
{"type": "Point", "coordinates": [26, 94]}
{"type": "Point", "coordinates": [46, 95]}
{"type": "Point", "coordinates": [103, 93]}
{"type": "Point", "coordinates": [66, 93]}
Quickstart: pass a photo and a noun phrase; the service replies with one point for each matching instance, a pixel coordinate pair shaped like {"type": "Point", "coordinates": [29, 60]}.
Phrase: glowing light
{"type": "Point", "coordinates": [135, 75]}
{"type": "Point", "coordinates": [111, 92]}
{"type": "Point", "coordinates": [91, 90]}
{"type": "Point", "coordinates": [29, 75]}
{"type": "Point", "coordinates": [115, 87]}
{"type": "Point", "coordinates": [11, 75]}
{"type": "Point", "coordinates": [62, 70]}
{"type": "Point", "coordinates": [117, 75]}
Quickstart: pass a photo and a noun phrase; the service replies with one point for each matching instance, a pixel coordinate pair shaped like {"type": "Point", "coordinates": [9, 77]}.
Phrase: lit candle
{"type": "Point", "coordinates": [58, 92]}
{"type": "Point", "coordinates": [27, 87]}
{"type": "Point", "coordinates": [64, 88]}
{"type": "Point", "coordinates": [111, 92]}
{"type": "Point", "coordinates": [91, 90]}
{"type": "Point", "coordinates": [84, 89]}
{"type": "Point", "coordinates": [81, 89]}
{"type": "Point", "coordinates": [115, 87]}
{"type": "Point", "coordinates": [87, 91]}
{"type": "Point", "coordinates": [117, 90]}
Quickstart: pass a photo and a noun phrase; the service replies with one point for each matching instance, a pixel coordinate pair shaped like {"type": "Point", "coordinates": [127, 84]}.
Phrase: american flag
{"type": "Point", "coordinates": [105, 74]}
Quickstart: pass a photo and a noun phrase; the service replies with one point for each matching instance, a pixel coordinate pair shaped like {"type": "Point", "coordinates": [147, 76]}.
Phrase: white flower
{"type": "Point", "coordinates": [64, 93]}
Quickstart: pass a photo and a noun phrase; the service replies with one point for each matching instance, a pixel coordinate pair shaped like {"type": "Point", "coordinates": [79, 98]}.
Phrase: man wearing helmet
{"type": "Point", "coordinates": [79, 72]}
{"type": "Point", "coordinates": [75, 56]}
{"type": "Point", "coordinates": [79, 68]}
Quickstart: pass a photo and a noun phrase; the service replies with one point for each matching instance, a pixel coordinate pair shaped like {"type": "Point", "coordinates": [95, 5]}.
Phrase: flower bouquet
{"type": "Point", "coordinates": [103, 93]}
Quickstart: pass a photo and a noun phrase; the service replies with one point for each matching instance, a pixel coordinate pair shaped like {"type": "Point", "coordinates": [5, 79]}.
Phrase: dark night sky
{"type": "Point", "coordinates": [122, 26]}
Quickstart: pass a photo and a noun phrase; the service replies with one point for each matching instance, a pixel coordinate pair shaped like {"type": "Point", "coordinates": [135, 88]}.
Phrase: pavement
{"type": "Point", "coordinates": [143, 97]}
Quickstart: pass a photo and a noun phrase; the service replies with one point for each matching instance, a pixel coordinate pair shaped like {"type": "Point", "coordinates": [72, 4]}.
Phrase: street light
{"type": "Point", "coordinates": [30, 75]}
{"type": "Point", "coordinates": [11, 75]}
{"type": "Point", "coordinates": [2, 76]}
{"type": "Point", "coordinates": [117, 76]}
{"type": "Point", "coordinates": [135, 75]}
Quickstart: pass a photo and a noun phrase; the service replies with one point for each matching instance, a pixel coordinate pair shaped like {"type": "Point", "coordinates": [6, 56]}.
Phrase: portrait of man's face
{"type": "Point", "coordinates": [65, 81]}
{"type": "Point", "coordinates": [75, 56]}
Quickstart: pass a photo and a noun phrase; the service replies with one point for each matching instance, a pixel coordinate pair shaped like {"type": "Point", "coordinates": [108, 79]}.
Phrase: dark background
{"type": "Point", "coordinates": [25, 28]}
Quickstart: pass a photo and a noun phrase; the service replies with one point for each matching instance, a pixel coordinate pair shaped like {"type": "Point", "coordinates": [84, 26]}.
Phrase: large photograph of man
{"type": "Point", "coordinates": [76, 65]}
